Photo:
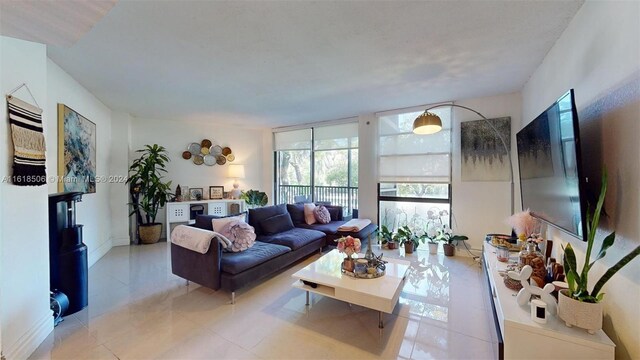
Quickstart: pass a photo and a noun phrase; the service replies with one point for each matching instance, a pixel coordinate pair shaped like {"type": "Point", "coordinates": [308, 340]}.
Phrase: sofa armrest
{"type": "Point", "coordinates": [203, 269]}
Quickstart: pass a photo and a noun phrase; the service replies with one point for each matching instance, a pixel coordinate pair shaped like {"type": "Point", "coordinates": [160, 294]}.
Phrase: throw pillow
{"type": "Point", "coordinates": [322, 214]}
{"type": "Point", "coordinates": [219, 224]}
{"type": "Point", "coordinates": [297, 213]}
{"type": "Point", "coordinates": [241, 235]}
{"type": "Point", "coordinates": [309, 218]}
{"type": "Point", "coordinates": [277, 224]}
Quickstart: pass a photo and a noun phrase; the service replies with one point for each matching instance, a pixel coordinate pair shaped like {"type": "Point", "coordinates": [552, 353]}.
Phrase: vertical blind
{"type": "Point", "coordinates": [410, 158]}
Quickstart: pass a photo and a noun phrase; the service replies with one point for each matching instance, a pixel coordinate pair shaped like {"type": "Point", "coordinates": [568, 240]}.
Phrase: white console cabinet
{"type": "Point", "coordinates": [180, 212]}
{"type": "Point", "coordinates": [523, 338]}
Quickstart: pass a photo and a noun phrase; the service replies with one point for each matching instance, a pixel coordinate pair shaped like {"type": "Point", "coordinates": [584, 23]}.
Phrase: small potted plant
{"type": "Point", "coordinates": [577, 306]}
{"type": "Point", "coordinates": [148, 190]}
{"type": "Point", "coordinates": [254, 198]}
{"type": "Point", "coordinates": [432, 235]}
{"type": "Point", "coordinates": [409, 239]}
{"type": "Point", "coordinates": [349, 246]}
{"type": "Point", "coordinates": [445, 235]}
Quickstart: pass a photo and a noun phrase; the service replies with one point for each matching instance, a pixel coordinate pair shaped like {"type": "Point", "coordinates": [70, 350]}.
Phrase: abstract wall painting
{"type": "Point", "coordinates": [534, 157]}
{"type": "Point", "coordinates": [76, 151]}
{"type": "Point", "coordinates": [484, 158]}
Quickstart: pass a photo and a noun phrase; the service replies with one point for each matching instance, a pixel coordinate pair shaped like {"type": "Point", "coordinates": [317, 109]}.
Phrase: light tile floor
{"type": "Point", "coordinates": [138, 310]}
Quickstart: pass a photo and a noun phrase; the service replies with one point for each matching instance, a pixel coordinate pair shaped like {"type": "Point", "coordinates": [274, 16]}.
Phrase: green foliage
{"type": "Point", "coordinates": [148, 190]}
{"type": "Point", "coordinates": [578, 281]}
{"type": "Point", "coordinates": [405, 235]}
{"type": "Point", "coordinates": [255, 197]}
{"type": "Point", "coordinates": [385, 234]}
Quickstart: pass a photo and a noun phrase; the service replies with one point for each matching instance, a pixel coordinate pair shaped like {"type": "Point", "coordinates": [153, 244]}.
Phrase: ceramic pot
{"type": "Point", "coordinates": [580, 314]}
{"type": "Point", "coordinates": [348, 264]}
{"type": "Point", "coordinates": [408, 247]}
{"type": "Point", "coordinates": [392, 245]}
{"type": "Point", "coordinates": [449, 249]}
{"type": "Point", "coordinates": [433, 248]}
{"type": "Point", "coordinates": [150, 233]}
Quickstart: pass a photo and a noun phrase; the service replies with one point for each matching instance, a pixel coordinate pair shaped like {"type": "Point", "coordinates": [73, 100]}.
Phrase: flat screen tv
{"type": "Point", "coordinates": [551, 178]}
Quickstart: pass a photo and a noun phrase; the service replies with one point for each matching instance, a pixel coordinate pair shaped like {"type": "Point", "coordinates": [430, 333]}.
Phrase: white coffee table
{"type": "Point", "coordinates": [379, 294]}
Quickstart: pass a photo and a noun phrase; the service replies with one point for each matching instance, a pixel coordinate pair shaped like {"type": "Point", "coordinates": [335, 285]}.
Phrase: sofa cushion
{"type": "Point", "coordinates": [258, 214]}
{"type": "Point", "coordinates": [335, 212]}
{"type": "Point", "coordinates": [309, 217]}
{"type": "Point", "coordinates": [220, 223]}
{"type": "Point", "coordinates": [329, 229]}
{"type": "Point", "coordinates": [322, 214]}
{"type": "Point", "coordinates": [235, 263]}
{"type": "Point", "coordinates": [293, 239]}
{"type": "Point", "coordinates": [204, 221]}
{"type": "Point", "coordinates": [276, 224]}
{"type": "Point", "coordinates": [297, 213]}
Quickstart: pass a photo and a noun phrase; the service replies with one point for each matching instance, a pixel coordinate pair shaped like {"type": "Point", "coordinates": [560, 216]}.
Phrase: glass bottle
{"type": "Point", "coordinates": [529, 253]}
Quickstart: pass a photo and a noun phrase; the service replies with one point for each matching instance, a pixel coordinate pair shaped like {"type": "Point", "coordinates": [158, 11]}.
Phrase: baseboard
{"type": "Point", "coordinates": [122, 241]}
{"type": "Point", "coordinates": [30, 341]}
{"type": "Point", "coordinates": [98, 253]}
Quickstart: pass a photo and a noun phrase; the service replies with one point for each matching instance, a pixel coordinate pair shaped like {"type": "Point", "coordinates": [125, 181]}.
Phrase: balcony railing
{"type": "Point", "coordinates": [345, 196]}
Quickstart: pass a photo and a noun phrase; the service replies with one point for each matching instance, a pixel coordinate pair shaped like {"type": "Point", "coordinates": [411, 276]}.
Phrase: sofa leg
{"type": "Point", "coordinates": [187, 283]}
{"type": "Point", "coordinates": [320, 251]}
{"type": "Point", "coordinates": [233, 297]}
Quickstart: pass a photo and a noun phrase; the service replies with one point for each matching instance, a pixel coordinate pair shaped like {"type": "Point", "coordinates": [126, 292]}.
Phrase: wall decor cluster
{"type": "Point", "coordinates": [28, 141]}
{"type": "Point", "coordinates": [76, 151]}
{"type": "Point", "coordinates": [208, 153]}
{"type": "Point", "coordinates": [483, 156]}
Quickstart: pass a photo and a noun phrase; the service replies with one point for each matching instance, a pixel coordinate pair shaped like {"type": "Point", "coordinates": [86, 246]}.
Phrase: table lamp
{"type": "Point", "coordinates": [236, 172]}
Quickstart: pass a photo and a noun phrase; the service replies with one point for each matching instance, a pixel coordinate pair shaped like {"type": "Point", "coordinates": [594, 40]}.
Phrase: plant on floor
{"type": "Point", "coordinates": [148, 190]}
{"type": "Point", "coordinates": [409, 239]}
{"type": "Point", "coordinates": [578, 280]}
{"type": "Point", "coordinates": [385, 235]}
{"type": "Point", "coordinates": [254, 198]}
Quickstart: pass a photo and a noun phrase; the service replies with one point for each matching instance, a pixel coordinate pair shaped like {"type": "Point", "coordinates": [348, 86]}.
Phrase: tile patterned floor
{"type": "Point", "coordinates": [139, 310]}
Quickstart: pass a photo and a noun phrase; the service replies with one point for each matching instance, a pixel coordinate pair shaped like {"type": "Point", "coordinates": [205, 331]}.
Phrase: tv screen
{"type": "Point", "coordinates": [551, 181]}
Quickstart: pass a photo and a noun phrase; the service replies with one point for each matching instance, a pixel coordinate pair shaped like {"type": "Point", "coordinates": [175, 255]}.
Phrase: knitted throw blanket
{"type": "Point", "coordinates": [28, 143]}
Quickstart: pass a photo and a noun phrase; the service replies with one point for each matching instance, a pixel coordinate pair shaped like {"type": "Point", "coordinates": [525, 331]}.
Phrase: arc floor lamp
{"type": "Point", "coordinates": [430, 123]}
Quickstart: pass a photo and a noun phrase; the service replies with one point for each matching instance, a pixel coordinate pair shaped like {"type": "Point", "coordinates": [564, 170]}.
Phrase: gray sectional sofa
{"type": "Point", "coordinates": [282, 238]}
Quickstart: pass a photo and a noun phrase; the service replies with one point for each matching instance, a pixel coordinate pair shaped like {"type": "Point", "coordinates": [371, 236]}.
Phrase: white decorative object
{"type": "Point", "coordinates": [580, 314]}
{"type": "Point", "coordinates": [524, 295]}
{"type": "Point", "coordinates": [236, 172]}
{"type": "Point", "coordinates": [538, 311]}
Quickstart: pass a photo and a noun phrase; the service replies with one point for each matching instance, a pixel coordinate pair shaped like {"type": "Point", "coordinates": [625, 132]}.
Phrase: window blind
{"type": "Point", "coordinates": [293, 140]}
{"type": "Point", "coordinates": [335, 137]}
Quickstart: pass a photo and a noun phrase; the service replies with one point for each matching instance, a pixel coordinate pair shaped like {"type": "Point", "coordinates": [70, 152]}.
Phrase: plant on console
{"type": "Point", "coordinates": [254, 198]}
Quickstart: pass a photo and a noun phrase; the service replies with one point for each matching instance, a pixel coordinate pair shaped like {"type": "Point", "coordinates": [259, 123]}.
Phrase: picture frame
{"type": "Point", "coordinates": [76, 151]}
{"type": "Point", "coordinates": [195, 194]}
{"type": "Point", "coordinates": [216, 192]}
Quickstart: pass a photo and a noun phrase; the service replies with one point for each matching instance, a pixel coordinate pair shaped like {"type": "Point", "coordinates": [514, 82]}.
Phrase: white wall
{"type": "Point", "coordinates": [598, 52]}
{"type": "Point", "coordinates": [24, 234]}
{"type": "Point", "coordinates": [119, 165]}
{"type": "Point", "coordinates": [94, 210]}
{"type": "Point", "coordinates": [246, 144]}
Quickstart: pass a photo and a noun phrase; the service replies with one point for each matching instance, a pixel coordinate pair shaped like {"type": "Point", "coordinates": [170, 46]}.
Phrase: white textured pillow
{"type": "Point", "coordinates": [309, 217]}
{"type": "Point", "coordinates": [219, 224]}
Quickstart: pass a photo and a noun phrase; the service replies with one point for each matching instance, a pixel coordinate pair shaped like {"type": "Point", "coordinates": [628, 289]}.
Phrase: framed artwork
{"type": "Point", "coordinates": [216, 192]}
{"type": "Point", "coordinates": [484, 157]}
{"type": "Point", "coordinates": [195, 193]}
{"type": "Point", "coordinates": [76, 151]}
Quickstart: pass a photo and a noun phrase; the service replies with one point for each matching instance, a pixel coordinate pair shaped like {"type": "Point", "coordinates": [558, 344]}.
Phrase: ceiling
{"type": "Point", "coordinates": [269, 64]}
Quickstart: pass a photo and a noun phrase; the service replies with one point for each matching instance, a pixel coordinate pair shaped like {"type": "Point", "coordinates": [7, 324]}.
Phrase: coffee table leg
{"type": "Point", "coordinates": [307, 299]}
{"type": "Point", "coordinates": [380, 323]}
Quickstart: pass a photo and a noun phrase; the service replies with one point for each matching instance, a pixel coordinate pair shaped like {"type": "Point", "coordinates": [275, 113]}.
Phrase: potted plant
{"type": "Point", "coordinates": [577, 305]}
{"type": "Point", "coordinates": [148, 190]}
{"type": "Point", "coordinates": [445, 235]}
{"type": "Point", "coordinates": [386, 238]}
{"type": "Point", "coordinates": [409, 239]}
{"type": "Point", "coordinates": [432, 235]}
{"type": "Point", "coordinates": [254, 198]}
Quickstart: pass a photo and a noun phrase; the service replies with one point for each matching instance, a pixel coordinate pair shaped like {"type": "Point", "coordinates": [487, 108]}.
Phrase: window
{"type": "Point", "coordinates": [414, 171]}
{"type": "Point", "coordinates": [318, 164]}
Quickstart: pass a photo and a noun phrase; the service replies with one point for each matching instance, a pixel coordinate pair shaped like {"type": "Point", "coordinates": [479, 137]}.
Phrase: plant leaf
{"type": "Point", "coordinates": [606, 244]}
{"type": "Point", "coordinates": [569, 262]}
{"type": "Point", "coordinates": [614, 269]}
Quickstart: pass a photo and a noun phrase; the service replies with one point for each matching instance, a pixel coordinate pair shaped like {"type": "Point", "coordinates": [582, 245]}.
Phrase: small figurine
{"type": "Point", "coordinates": [524, 295]}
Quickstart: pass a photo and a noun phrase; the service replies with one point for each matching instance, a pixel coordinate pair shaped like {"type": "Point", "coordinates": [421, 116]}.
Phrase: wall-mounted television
{"type": "Point", "coordinates": [552, 184]}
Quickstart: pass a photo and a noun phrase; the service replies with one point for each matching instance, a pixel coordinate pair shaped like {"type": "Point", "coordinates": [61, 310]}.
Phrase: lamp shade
{"type": "Point", "coordinates": [236, 171]}
{"type": "Point", "coordinates": [427, 123]}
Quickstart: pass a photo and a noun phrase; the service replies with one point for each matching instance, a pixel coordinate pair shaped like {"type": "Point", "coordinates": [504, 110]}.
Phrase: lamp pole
{"type": "Point", "coordinates": [504, 144]}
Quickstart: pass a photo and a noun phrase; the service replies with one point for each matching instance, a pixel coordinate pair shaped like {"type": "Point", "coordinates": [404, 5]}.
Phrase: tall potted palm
{"type": "Point", "coordinates": [148, 190]}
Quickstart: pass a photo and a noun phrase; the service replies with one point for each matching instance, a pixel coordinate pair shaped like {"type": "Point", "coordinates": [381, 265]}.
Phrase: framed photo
{"type": "Point", "coordinates": [195, 193]}
{"type": "Point", "coordinates": [76, 151]}
{"type": "Point", "coordinates": [216, 192]}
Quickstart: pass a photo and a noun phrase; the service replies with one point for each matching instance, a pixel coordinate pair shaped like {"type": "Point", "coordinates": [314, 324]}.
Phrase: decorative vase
{"type": "Point", "coordinates": [433, 248]}
{"type": "Point", "coordinates": [150, 233]}
{"type": "Point", "coordinates": [528, 255]}
{"type": "Point", "coordinates": [408, 247]}
{"type": "Point", "coordinates": [449, 249]}
{"type": "Point", "coordinates": [578, 313]}
{"type": "Point", "coordinates": [348, 264]}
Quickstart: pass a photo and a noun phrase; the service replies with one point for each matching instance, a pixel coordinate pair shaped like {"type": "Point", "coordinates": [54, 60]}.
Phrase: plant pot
{"type": "Point", "coordinates": [408, 247]}
{"type": "Point", "coordinates": [348, 264]}
{"type": "Point", "coordinates": [150, 233]}
{"type": "Point", "coordinates": [581, 314]}
{"type": "Point", "coordinates": [433, 248]}
{"type": "Point", "coordinates": [449, 249]}
{"type": "Point", "coordinates": [392, 245]}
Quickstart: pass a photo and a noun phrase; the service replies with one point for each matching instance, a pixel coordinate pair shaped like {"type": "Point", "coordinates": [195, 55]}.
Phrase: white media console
{"type": "Point", "coordinates": [522, 338]}
{"type": "Point", "coordinates": [180, 212]}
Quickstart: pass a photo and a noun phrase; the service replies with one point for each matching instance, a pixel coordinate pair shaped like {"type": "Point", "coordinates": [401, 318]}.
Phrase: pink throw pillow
{"type": "Point", "coordinates": [309, 217]}
{"type": "Point", "coordinates": [322, 214]}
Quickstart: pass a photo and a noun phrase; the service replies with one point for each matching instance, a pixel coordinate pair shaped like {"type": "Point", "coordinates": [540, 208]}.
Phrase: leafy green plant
{"type": "Point", "coordinates": [254, 197]}
{"type": "Point", "coordinates": [445, 235]}
{"type": "Point", "coordinates": [579, 280]}
{"type": "Point", "coordinates": [148, 190]}
{"type": "Point", "coordinates": [385, 234]}
{"type": "Point", "coordinates": [405, 235]}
